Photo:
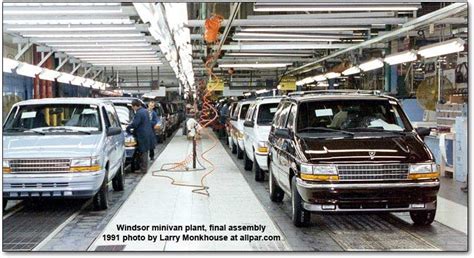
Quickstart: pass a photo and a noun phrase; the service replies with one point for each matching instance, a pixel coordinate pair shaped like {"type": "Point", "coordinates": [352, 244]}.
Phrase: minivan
{"type": "Point", "coordinates": [350, 151]}
{"type": "Point", "coordinates": [62, 148]}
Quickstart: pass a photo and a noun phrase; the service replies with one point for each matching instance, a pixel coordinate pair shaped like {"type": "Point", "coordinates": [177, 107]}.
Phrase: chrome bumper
{"type": "Point", "coordinates": [83, 184]}
{"type": "Point", "coordinates": [310, 185]}
{"type": "Point", "coordinates": [336, 208]}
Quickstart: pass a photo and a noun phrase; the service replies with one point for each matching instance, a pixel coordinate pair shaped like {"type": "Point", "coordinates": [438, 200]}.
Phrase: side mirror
{"type": "Point", "coordinates": [282, 133]}
{"type": "Point", "coordinates": [423, 132]}
{"type": "Point", "coordinates": [113, 131]}
{"type": "Point", "coordinates": [249, 124]}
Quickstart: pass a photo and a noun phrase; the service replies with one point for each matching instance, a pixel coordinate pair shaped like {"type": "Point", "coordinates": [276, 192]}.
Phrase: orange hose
{"type": "Point", "coordinates": [212, 26]}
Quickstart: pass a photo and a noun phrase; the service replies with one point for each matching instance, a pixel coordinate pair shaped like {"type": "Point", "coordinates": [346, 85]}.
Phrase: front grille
{"type": "Point", "coordinates": [363, 172]}
{"type": "Point", "coordinates": [40, 165]}
{"type": "Point", "coordinates": [38, 185]}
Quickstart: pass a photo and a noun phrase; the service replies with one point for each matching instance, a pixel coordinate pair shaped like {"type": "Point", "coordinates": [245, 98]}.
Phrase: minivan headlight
{"type": "Point", "coordinates": [319, 172]}
{"type": "Point", "coordinates": [424, 171]}
{"type": "Point", "coordinates": [423, 168]}
{"type": "Point", "coordinates": [262, 147]}
{"type": "Point", "coordinates": [6, 166]}
{"type": "Point", "coordinates": [85, 164]}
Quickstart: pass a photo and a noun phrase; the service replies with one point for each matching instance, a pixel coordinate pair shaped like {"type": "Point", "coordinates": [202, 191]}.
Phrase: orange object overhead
{"type": "Point", "coordinates": [212, 25]}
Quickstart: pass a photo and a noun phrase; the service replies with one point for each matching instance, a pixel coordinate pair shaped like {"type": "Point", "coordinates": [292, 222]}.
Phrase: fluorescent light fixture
{"type": "Point", "coordinates": [86, 20]}
{"type": "Point", "coordinates": [307, 80]}
{"type": "Point", "coordinates": [284, 35]}
{"type": "Point", "coordinates": [371, 65]}
{"type": "Point", "coordinates": [66, 78]}
{"type": "Point", "coordinates": [28, 70]}
{"type": "Point", "coordinates": [71, 11]}
{"type": "Point", "coordinates": [82, 35]}
{"type": "Point", "coordinates": [266, 54]}
{"type": "Point", "coordinates": [78, 80]}
{"type": "Point", "coordinates": [442, 48]}
{"type": "Point", "coordinates": [270, 65]}
{"type": "Point", "coordinates": [351, 70]}
{"type": "Point", "coordinates": [319, 78]}
{"type": "Point", "coordinates": [88, 82]}
{"type": "Point", "coordinates": [285, 39]}
{"type": "Point", "coordinates": [319, 7]}
{"type": "Point", "coordinates": [322, 84]}
{"type": "Point", "coordinates": [332, 75]}
{"type": "Point", "coordinates": [58, 45]}
{"type": "Point", "coordinates": [111, 53]}
{"type": "Point", "coordinates": [90, 40]}
{"type": "Point", "coordinates": [128, 64]}
{"type": "Point", "coordinates": [49, 75]}
{"type": "Point", "coordinates": [9, 65]}
{"type": "Point", "coordinates": [402, 57]}
{"type": "Point", "coordinates": [98, 49]}
{"type": "Point", "coordinates": [300, 29]}
{"type": "Point", "coordinates": [68, 28]}
{"type": "Point", "coordinates": [127, 59]}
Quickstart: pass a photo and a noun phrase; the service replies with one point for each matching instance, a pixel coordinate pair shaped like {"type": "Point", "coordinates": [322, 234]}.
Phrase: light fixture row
{"type": "Point", "coordinates": [29, 70]}
{"type": "Point", "coordinates": [442, 48]}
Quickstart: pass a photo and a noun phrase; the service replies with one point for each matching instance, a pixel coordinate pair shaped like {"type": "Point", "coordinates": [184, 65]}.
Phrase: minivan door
{"type": "Point", "coordinates": [288, 150]}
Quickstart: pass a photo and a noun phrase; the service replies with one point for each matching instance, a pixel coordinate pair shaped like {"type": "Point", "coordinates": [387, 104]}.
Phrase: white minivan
{"type": "Point", "coordinates": [256, 129]}
{"type": "Point", "coordinates": [236, 140]}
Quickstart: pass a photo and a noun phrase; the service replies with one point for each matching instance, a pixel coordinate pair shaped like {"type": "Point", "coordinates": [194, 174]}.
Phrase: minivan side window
{"type": "Point", "coordinates": [236, 111]}
{"type": "Point", "coordinates": [281, 122]}
{"type": "Point", "coordinates": [243, 111]}
{"type": "Point", "coordinates": [112, 116]}
{"type": "Point", "coordinates": [291, 118]}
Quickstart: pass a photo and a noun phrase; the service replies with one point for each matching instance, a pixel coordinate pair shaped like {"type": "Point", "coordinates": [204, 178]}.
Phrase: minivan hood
{"type": "Point", "coordinates": [50, 146]}
{"type": "Point", "coordinates": [406, 149]}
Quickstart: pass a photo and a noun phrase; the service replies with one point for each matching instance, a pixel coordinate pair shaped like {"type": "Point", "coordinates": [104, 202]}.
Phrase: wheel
{"type": "Point", "coordinates": [300, 216]}
{"type": "Point", "coordinates": [423, 218]}
{"type": "Point", "coordinates": [100, 198]}
{"type": "Point", "coordinates": [276, 193]}
{"type": "Point", "coordinates": [247, 162]}
{"type": "Point", "coordinates": [233, 147]}
{"type": "Point", "coordinates": [259, 173]}
{"type": "Point", "coordinates": [118, 181]}
{"type": "Point", "coordinates": [160, 138]}
{"type": "Point", "coordinates": [240, 153]}
{"type": "Point", "coordinates": [5, 202]}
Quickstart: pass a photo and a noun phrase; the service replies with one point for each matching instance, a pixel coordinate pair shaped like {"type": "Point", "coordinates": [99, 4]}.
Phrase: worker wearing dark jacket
{"type": "Point", "coordinates": [143, 133]}
{"type": "Point", "coordinates": [154, 120]}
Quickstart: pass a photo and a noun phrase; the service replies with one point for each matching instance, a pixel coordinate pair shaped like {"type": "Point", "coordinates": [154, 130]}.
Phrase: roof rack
{"type": "Point", "coordinates": [365, 92]}
{"type": "Point", "coordinates": [269, 97]}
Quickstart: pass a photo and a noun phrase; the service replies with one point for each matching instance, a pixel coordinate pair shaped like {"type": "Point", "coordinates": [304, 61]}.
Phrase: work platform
{"type": "Point", "coordinates": [156, 202]}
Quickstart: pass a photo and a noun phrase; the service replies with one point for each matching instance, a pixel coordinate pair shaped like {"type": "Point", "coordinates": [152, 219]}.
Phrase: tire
{"type": "Point", "coordinates": [233, 147]}
{"type": "Point", "coordinates": [5, 202]}
{"type": "Point", "coordinates": [118, 182]}
{"type": "Point", "coordinates": [276, 193]}
{"type": "Point", "coordinates": [247, 162]}
{"type": "Point", "coordinates": [240, 153]}
{"type": "Point", "coordinates": [423, 218]}
{"type": "Point", "coordinates": [160, 138]}
{"type": "Point", "coordinates": [300, 216]}
{"type": "Point", "coordinates": [259, 173]}
{"type": "Point", "coordinates": [100, 198]}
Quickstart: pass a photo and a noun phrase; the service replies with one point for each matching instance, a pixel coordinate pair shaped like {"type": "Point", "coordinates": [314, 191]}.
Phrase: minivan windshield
{"type": "Point", "coordinates": [266, 112]}
{"type": "Point", "coordinates": [53, 118]}
{"type": "Point", "coordinates": [351, 115]}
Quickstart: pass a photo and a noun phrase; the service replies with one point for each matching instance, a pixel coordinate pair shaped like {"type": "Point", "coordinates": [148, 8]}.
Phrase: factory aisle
{"type": "Point", "coordinates": [159, 216]}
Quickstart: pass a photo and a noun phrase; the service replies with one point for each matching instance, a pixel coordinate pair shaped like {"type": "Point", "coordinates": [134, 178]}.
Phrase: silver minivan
{"type": "Point", "coordinates": [62, 148]}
